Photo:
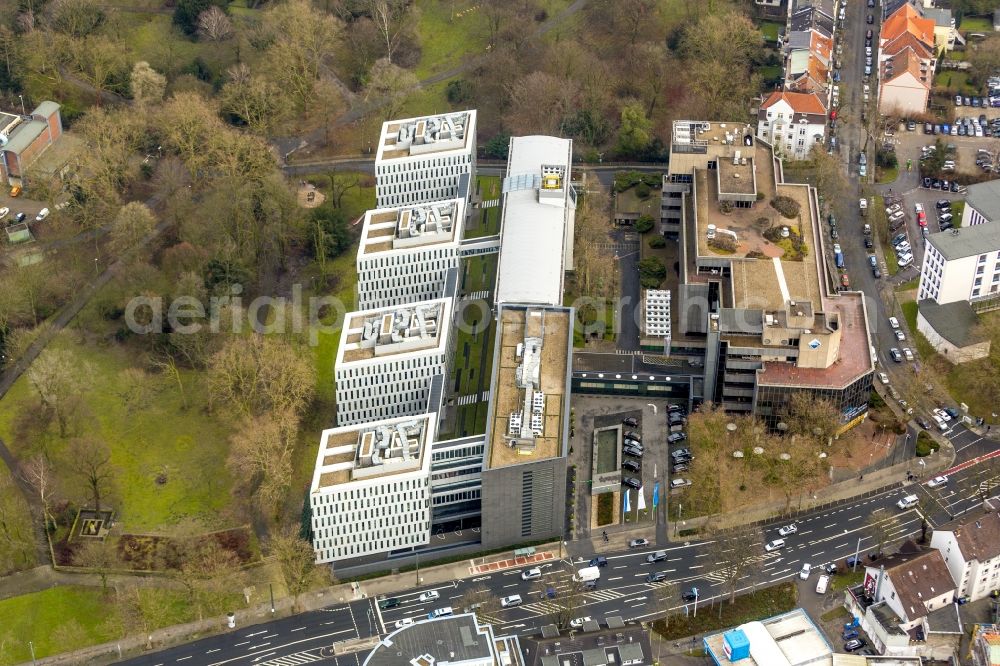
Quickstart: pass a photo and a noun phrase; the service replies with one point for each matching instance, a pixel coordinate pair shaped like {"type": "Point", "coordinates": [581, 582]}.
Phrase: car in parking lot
{"type": "Point", "coordinates": [772, 546]}
{"type": "Point", "coordinates": [849, 634]}
{"type": "Point", "coordinates": [676, 437]}
{"type": "Point", "coordinates": [632, 451]}
{"type": "Point", "coordinates": [19, 218]}
{"type": "Point", "coordinates": [631, 482]}
{"type": "Point", "coordinates": [805, 571]}
{"type": "Point", "coordinates": [788, 529]}
{"type": "Point", "coordinates": [893, 322]}
{"type": "Point", "coordinates": [896, 356]}
{"type": "Point", "coordinates": [900, 335]}
{"type": "Point", "coordinates": [579, 622]}
{"type": "Point", "coordinates": [679, 483]}
{"type": "Point", "coordinates": [680, 467]}
{"type": "Point", "coordinates": [937, 482]}
{"type": "Point", "coordinates": [680, 453]}
{"type": "Point", "coordinates": [531, 574]}
{"type": "Point", "coordinates": [951, 411]}
{"type": "Point", "coordinates": [511, 601]}
{"type": "Point", "coordinates": [632, 465]}
{"type": "Point", "coordinates": [884, 378]}
{"type": "Point", "coordinates": [854, 644]}
{"type": "Point", "coordinates": [638, 543]}
{"type": "Point", "coordinates": [907, 353]}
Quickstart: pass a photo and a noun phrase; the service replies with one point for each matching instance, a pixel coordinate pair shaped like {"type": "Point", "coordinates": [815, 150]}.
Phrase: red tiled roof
{"type": "Point", "coordinates": [800, 102]}
{"type": "Point", "coordinates": [903, 62]}
{"type": "Point", "coordinates": [907, 40]}
{"type": "Point", "coordinates": [908, 19]}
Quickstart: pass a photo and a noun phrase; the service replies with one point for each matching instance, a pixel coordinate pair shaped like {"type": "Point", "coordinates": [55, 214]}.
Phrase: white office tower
{"type": "Point", "coordinates": [388, 358]}
{"type": "Point", "coordinates": [370, 491]}
{"type": "Point", "coordinates": [539, 210]}
{"type": "Point", "coordinates": [406, 252]}
{"type": "Point", "coordinates": [425, 159]}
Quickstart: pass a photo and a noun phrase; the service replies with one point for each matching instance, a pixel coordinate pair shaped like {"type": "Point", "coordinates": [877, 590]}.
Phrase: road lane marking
{"type": "Point", "coordinates": [298, 628]}
{"type": "Point", "coordinates": [183, 658]}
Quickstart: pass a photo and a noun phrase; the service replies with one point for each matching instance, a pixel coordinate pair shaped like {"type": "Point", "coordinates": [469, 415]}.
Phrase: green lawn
{"type": "Point", "coordinates": [970, 24]}
{"type": "Point", "coordinates": [156, 436]}
{"type": "Point", "coordinates": [909, 285]}
{"type": "Point", "coordinates": [957, 210]}
{"type": "Point", "coordinates": [65, 618]}
{"type": "Point", "coordinates": [767, 601]}
{"type": "Point", "coordinates": [842, 581]}
{"type": "Point", "coordinates": [958, 81]}
{"type": "Point", "coordinates": [485, 221]}
{"type": "Point", "coordinates": [449, 32]}
{"type": "Point", "coordinates": [770, 30]}
{"type": "Point", "coordinates": [910, 313]}
{"type": "Point", "coordinates": [883, 175]}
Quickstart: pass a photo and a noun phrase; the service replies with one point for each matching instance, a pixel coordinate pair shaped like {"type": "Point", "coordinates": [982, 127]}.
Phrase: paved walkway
{"type": "Point", "coordinates": [511, 563]}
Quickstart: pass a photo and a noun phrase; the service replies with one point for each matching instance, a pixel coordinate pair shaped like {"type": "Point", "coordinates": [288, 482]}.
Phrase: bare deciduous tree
{"type": "Point", "coordinates": [56, 377]}
{"type": "Point", "coordinates": [100, 555]}
{"type": "Point", "coordinates": [133, 222]}
{"type": "Point", "coordinates": [16, 541]}
{"type": "Point", "coordinates": [880, 526]}
{"type": "Point", "coordinates": [214, 25]}
{"type": "Point", "coordinates": [91, 460]}
{"type": "Point", "coordinates": [389, 86]}
{"type": "Point", "coordinates": [147, 84]}
{"type": "Point", "coordinates": [259, 373]}
{"type": "Point", "coordinates": [539, 102]}
{"type": "Point", "coordinates": [297, 561]}
{"type": "Point", "coordinates": [39, 473]}
{"type": "Point", "coordinates": [732, 553]}
{"type": "Point", "coordinates": [142, 610]}
{"type": "Point", "coordinates": [253, 99]}
{"type": "Point", "coordinates": [209, 573]}
{"type": "Point", "coordinates": [303, 38]}
{"type": "Point", "coordinates": [389, 17]}
{"type": "Point", "coordinates": [261, 456]}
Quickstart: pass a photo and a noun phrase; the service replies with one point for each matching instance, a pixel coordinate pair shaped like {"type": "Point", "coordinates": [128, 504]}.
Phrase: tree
{"type": "Point", "coordinates": [143, 609]}
{"type": "Point", "coordinates": [296, 560]}
{"type": "Point", "coordinates": [147, 84]}
{"type": "Point", "coordinates": [214, 25]}
{"type": "Point", "coordinates": [733, 553]}
{"type": "Point", "coordinates": [664, 595]}
{"type": "Point", "coordinates": [260, 373]}
{"type": "Point", "coordinates": [91, 460]}
{"type": "Point", "coordinates": [38, 472]}
{"type": "Point", "coordinates": [389, 17]}
{"type": "Point", "coordinates": [251, 99]}
{"type": "Point", "coordinates": [133, 222]}
{"type": "Point", "coordinates": [389, 87]}
{"type": "Point", "coordinates": [77, 18]}
{"type": "Point", "coordinates": [100, 62]}
{"type": "Point", "coordinates": [481, 601]}
{"type": "Point", "coordinates": [341, 184]}
{"type": "Point", "coordinates": [984, 57]}
{"type": "Point", "coordinates": [16, 541]}
{"type": "Point", "coordinates": [102, 556]}
{"type": "Point", "coordinates": [634, 134]}
{"type": "Point", "coordinates": [539, 102]}
{"type": "Point", "coordinates": [106, 167]}
{"type": "Point", "coordinates": [817, 419]}
{"type": "Point", "coordinates": [261, 456]}
{"type": "Point", "coordinates": [56, 377]}
{"type": "Point", "coordinates": [303, 37]}
{"type": "Point", "coordinates": [651, 272]}
{"type": "Point", "coordinates": [209, 573]}
{"type": "Point", "coordinates": [187, 13]}
{"type": "Point", "coordinates": [330, 234]}
{"type": "Point", "coordinates": [880, 526]}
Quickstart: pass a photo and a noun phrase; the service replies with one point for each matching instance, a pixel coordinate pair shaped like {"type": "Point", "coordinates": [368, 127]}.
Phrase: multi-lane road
{"type": "Point", "coordinates": [830, 534]}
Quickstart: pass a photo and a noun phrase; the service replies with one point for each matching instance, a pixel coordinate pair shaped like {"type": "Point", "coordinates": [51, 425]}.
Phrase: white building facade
{"type": "Point", "coordinates": [425, 159]}
{"type": "Point", "coordinates": [370, 491]}
{"type": "Point", "coordinates": [388, 358]}
{"type": "Point", "coordinates": [982, 204]}
{"type": "Point", "coordinates": [792, 122]}
{"type": "Point", "coordinates": [961, 264]}
{"type": "Point", "coordinates": [971, 550]}
{"type": "Point", "coordinates": [405, 253]}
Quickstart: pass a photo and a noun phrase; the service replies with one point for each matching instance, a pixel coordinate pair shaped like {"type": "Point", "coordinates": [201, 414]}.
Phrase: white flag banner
{"type": "Point", "coordinates": [642, 499]}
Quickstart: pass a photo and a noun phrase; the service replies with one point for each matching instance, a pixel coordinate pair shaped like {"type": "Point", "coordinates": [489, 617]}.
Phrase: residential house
{"type": "Point", "coordinates": [808, 62]}
{"type": "Point", "coordinates": [803, 19]}
{"type": "Point", "coordinates": [971, 549]}
{"type": "Point", "coordinates": [985, 646]}
{"type": "Point", "coordinates": [899, 595]}
{"type": "Point", "coordinates": [792, 122]}
{"type": "Point", "coordinates": [906, 60]}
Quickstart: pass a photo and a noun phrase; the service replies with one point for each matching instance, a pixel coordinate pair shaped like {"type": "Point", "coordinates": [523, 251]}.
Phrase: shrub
{"type": "Point", "coordinates": [787, 206]}
{"type": "Point", "coordinates": [651, 272]}
{"type": "Point", "coordinates": [642, 190]}
{"type": "Point", "coordinates": [498, 146]}
{"type": "Point", "coordinates": [756, 254]}
{"type": "Point", "coordinates": [886, 158]}
{"type": "Point", "coordinates": [925, 445]}
{"type": "Point", "coordinates": [723, 243]}
{"type": "Point", "coordinates": [459, 91]}
{"type": "Point", "coordinates": [726, 207]}
{"type": "Point", "coordinates": [760, 196]}
{"type": "Point", "coordinates": [643, 224]}
{"type": "Point", "coordinates": [657, 242]}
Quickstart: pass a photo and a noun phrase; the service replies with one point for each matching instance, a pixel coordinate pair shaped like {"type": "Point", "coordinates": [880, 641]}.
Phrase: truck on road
{"type": "Point", "coordinates": [587, 574]}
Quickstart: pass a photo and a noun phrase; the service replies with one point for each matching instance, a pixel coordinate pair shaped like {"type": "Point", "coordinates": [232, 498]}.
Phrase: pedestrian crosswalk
{"type": "Point", "coordinates": [463, 400]}
{"type": "Point", "coordinates": [294, 659]}
{"type": "Point", "coordinates": [604, 595]}
{"type": "Point", "coordinates": [490, 203]}
{"type": "Point", "coordinates": [627, 352]}
{"type": "Point", "coordinates": [618, 247]}
{"type": "Point", "coordinates": [477, 296]}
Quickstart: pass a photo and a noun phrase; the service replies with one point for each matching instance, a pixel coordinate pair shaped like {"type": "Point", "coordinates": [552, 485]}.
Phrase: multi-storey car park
{"type": "Point", "coordinates": [425, 159]}
{"type": "Point", "coordinates": [405, 252]}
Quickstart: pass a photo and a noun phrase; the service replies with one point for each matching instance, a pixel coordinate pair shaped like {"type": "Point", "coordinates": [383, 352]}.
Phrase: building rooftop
{"type": "Point", "coordinates": [790, 639]}
{"type": "Point", "coordinates": [404, 228]}
{"type": "Point", "coordinates": [945, 620]}
{"type": "Point", "coordinates": [419, 137]}
{"type": "Point", "coordinates": [977, 534]}
{"type": "Point", "coordinates": [853, 359]}
{"type": "Point", "coordinates": [803, 104]}
{"type": "Point", "coordinates": [537, 202]}
{"type": "Point", "coordinates": [456, 639]}
{"type": "Point", "coordinates": [918, 578]}
{"type": "Point", "coordinates": [985, 198]}
{"type": "Point", "coordinates": [619, 644]}
{"type": "Point", "coordinates": [530, 387]}
{"type": "Point", "coordinates": [854, 659]}
{"type": "Point", "coordinates": [956, 322]}
{"type": "Point", "coordinates": [908, 19]}
{"type": "Point", "coordinates": [375, 449]}
{"type": "Point", "coordinates": [400, 330]}
{"type": "Point", "coordinates": [966, 241]}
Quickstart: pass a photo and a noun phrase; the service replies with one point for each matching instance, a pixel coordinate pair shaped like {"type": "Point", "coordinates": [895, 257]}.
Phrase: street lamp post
{"type": "Point", "coordinates": [23, 112]}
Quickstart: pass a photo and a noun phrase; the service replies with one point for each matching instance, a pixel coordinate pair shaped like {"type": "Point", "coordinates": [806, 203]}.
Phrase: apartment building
{"type": "Point", "coordinates": [370, 491]}
{"type": "Point", "coordinates": [388, 358]}
{"type": "Point", "coordinates": [906, 62]}
{"type": "Point", "coordinates": [769, 322]}
{"type": "Point", "coordinates": [982, 203]}
{"type": "Point", "coordinates": [425, 159]}
{"type": "Point", "coordinates": [656, 316]}
{"type": "Point", "coordinates": [538, 219]}
{"type": "Point", "coordinates": [970, 546]}
{"type": "Point", "coordinates": [985, 647]}
{"type": "Point", "coordinates": [961, 265]}
{"type": "Point", "coordinates": [406, 252]}
{"type": "Point", "coordinates": [792, 122]}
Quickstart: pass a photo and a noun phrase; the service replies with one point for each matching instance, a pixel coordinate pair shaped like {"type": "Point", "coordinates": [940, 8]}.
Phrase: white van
{"type": "Point", "coordinates": [822, 584]}
{"type": "Point", "coordinates": [42, 214]}
{"type": "Point", "coordinates": [908, 502]}
{"type": "Point", "coordinates": [531, 574]}
{"type": "Point", "coordinates": [511, 601]}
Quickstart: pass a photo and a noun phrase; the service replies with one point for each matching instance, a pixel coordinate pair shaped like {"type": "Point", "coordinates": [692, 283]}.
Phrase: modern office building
{"type": "Point", "coordinates": [539, 210]}
{"type": "Point", "coordinates": [388, 358]}
{"type": "Point", "coordinates": [756, 295]}
{"type": "Point", "coordinates": [527, 431]}
{"type": "Point", "coordinates": [970, 546]}
{"type": "Point", "coordinates": [982, 203]}
{"type": "Point", "coordinates": [425, 159]}
{"type": "Point", "coordinates": [655, 325]}
{"type": "Point", "coordinates": [370, 491]}
{"type": "Point", "coordinates": [406, 252]}
{"type": "Point", "coordinates": [961, 265]}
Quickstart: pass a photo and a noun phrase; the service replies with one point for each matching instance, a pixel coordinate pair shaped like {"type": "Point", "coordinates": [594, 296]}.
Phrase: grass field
{"type": "Point", "coordinates": [765, 603]}
{"type": "Point", "coordinates": [65, 618]}
{"type": "Point", "coordinates": [970, 24]}
{"type": "Point", "coordinates": [886, 175]}
{"type": "Point", "coordinates": [955, 81]}
{"type": "Point", "coordinates": [770, 30]}
{"type": "Point", "coordinates": [485, 221]}
{"type": "Point", "coordinates": [154, 436]}
{"type": "Point", "coordinates": [449, 32]}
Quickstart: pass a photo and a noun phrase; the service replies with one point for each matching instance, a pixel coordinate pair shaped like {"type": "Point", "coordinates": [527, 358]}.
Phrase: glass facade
{"type": "Point", "coordinates": [772, 401]}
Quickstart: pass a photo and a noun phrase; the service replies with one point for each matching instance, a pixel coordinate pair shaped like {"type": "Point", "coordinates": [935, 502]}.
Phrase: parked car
{"type": "Point", "coordinates": [578, 622]}
{"type": "Point", "coordinates": [896, 356]}
{"type": "Point", "coordinates": [405, 622]}
{"type": "Point", "coordinates": [679, 483]}
{"type": "Point", "coordinates": [638, 543]}
{"type": "Point", "coordinates": [632, 465]}
{"type": "Point", "coordinates": [531, 574]}
{"type": "Point", "coordinates": [850, 634]}
{"type": "Point", "coordinates": [42, 214]}
{"type": "Point", "coordinates": [630, 422]}
{"type": "Point", "coordinates": [805, 571]}
{"type": "Point", "coordinates": [631, 483]}
{"type": "Point", "coordinates": [676, 438]}
{"type": "Point", "coordinates": [855, 644]}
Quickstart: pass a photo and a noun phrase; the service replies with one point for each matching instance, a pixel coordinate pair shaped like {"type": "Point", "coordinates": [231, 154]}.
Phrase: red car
{"type": "Point", "coordinates": [922, 218]}
{"type": "Point", "coordinates": [845, 282]}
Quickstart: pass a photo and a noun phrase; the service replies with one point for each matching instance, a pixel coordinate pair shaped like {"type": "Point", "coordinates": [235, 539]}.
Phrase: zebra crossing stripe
{"type": "Point", "coordinates": [292, 659]}
{"type": "Point", "coordinates": [490, 203]}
